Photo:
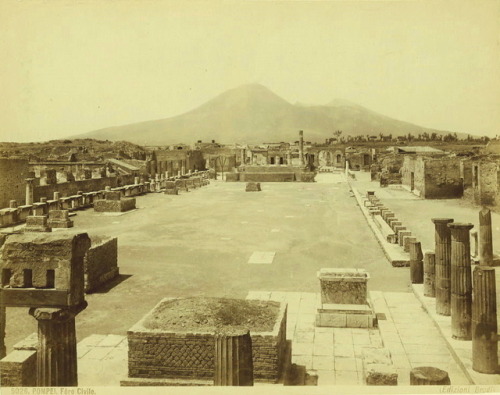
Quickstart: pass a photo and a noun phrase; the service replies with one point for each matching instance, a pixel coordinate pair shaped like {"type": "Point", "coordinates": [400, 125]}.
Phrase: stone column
{"type": "Point", "coordinates": [136, 180]}
{"type": "Point", "coordinates": [416, 263]}
{"type": "Point", "coordinates": [484, 321]}
{"type": "Point", "coordinates": [474, 237]}
{"type": "Point", "coordinates": [461, 281]}
{"type": "Point", "coordinates": [233, 359]}
{"type": "Point", "coordinates": [485, 238]}
{"type": "Point", "coordinates": [429, 274]}
{"type": "Point", "coordinates": [443, 265]}
{"type": "Point", "coordinates": [166, 174]}
{"type": "Point", "coordinates": [243, 156]}
{"type": "Point", "coordinates": [29, 191]}
{"type": "Point", "coordinates": [301, 147]}
{"type": "Point", "coordinates": [56, 354]}
{"type": "Point", "coordinates": [288, 158]}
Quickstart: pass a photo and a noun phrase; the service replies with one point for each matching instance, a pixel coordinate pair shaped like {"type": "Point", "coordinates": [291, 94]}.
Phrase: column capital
{"type": "Point", "coordinates": [460, 226]}
{"type": "Point", "coordinates": [60, 314]}
{"type": "Point", "coordinates": [442, 220]}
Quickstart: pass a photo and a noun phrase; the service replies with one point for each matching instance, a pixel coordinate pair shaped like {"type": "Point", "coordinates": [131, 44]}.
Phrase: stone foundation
{"type": "Point", "coordinates": [189, 355]}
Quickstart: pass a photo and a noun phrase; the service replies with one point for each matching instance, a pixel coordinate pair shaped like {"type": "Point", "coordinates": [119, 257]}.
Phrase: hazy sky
{"type": "Point", "coordinates": [71, 67]}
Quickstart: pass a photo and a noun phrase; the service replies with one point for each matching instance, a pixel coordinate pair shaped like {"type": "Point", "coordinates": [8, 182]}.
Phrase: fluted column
{"type": "Point", "coordinates": [429, 274]}
{"type": "Point", "coordinates": [443, 265]}
{"type": "Point", "coordinates": [56, 354]}
{"type": "Point", "coordinates": [461, 281]}
{"type": "Point", "coordinates": [484, 321]}
{"type": "Point", "coordinates": [233, 359]}
{"type": "Point", "coordinates": [485, 238]}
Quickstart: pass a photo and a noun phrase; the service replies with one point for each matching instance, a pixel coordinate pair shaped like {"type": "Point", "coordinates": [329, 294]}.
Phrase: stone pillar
{"type": "Point", "coordinates": [178, 173]}
{"type": "Point", "coordinates": [429, 274]}
{"type": "Point", "coordinates": [12, 204]}
{"type": "Point", "coordinates": [416, 263]}
{"type": "Point", "coordinates": [243, 156]}
{"type": "Point", "coordinates": [301, 148]}
{"type": "Point", "coordinates": [56, 354]}
{"type": "Point", "coordinates": [461, 281]}
{"type": "Point", "coordinates": [233, 359]}
{"type": "Point", "coordinates": [485, 238]}
{"type": "Point", "coordinates": [484, 321]}
{"type": "Point", "coordinates": [475, 240]}
{"type": "Point", "coordinates": [443, 265]}
{"type": "Point", "coordinates": [136, 180]}
{"type": "Point", "coordinates": [107, 188]}
{"type": "Point", "coordinates": [427, 375]}
{"type": "Point", "coordinates": [166, 175]}
{"type": "Point", "coordinates": [288, 158]}
{"type": "Point", "coordinates": [29, 191]}
{"type": "Point", "coordinates": [56, 195]}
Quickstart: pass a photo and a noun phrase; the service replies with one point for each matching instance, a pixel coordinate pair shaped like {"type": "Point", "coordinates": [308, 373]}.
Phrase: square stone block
{"type": "Point", "coordinates": [359, 321]}
{"type": "Point", "coordinates": [331, 320]}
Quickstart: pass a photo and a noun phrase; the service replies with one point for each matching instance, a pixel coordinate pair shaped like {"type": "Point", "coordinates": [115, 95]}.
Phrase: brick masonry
{"type": "Point", "coordinates": [190, 355]}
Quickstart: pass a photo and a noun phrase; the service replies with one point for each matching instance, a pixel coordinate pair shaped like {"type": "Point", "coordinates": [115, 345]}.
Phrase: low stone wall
{"type": "Point", "coordinates": [267, 177]}
{"type": "Point", "coordinates": [100, 262]}
{"type": "Point", "coordinates": [18, 368]}
{"type": "Point", "coordinates": [155, 354]}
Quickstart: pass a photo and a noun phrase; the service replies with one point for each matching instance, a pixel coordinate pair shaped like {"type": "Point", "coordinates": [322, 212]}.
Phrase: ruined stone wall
{"type": "Point", "coordinates": [71, 188]}
{"type": "Point", "coordinates": [406, 170]}
{"type": "Point", "coordinates": [267, 177]}
{"type": "Point", "coordinates": [100, 262]}
{"type": "Point", "coordinates": [13, 173]}
{"type": "Point", "coordinates": [191, 355]}
{"type": "Point", "coordinates": [18, 369]}
{"type": "Point", "coordinates": [487, 183]}
{"type": "Point", "coordinates": [442, 179]}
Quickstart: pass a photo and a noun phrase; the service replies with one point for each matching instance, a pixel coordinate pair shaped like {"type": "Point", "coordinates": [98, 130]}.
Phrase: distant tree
{"type": "Point", "coordinates": [434, 136]}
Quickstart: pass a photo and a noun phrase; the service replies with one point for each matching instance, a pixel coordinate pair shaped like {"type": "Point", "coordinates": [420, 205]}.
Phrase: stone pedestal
{"type": "Point", "coordinates": [344, 299]}
{"type": "Point", "coordinates": [37, 223]}
{"type": "Point", "coordinates": [56, 354]}
{"type": "Point", "coordinates": [443, 265]}
{"type": "Point", "coordinates": [59, 219]}
{"type": "Point", "coordinates": [233, 359]}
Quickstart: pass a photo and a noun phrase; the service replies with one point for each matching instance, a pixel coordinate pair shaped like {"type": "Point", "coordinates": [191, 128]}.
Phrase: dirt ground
{"type": "Point", "coordinates": [199, 244]}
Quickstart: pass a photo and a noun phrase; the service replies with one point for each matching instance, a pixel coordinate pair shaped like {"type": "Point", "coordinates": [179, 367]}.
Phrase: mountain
{"type": "Point", "coordinates": [253, 114]}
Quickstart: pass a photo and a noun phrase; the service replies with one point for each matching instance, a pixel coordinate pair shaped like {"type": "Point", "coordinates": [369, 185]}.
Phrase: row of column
{"type": "Point", "coordinates": [468, 297]}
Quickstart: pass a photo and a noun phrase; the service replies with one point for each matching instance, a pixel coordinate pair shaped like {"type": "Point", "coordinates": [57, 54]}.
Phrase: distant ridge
{"type": "Point", "coordinates": [253, 114]}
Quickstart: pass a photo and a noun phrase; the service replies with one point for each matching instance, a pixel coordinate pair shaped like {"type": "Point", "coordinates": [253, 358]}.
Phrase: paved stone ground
{"type": "Point", "coordinates": [195, 244]}
{"type": "Point", "coordinates": [335, 353]}
{"type": "Point", "coordinates": [406, 206]}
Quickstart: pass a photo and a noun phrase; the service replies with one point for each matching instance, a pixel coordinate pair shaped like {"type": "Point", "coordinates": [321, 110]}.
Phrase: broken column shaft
{"type": "Point", "coordinates": [416, 263]}
{"type": "Point", "coordinates": [429, 274]}
{"type": "Point", "coordinates": [484, 321]}
{"type": "Point", "coordinates": [233, 359]}
{"type": "Point", "coordinates": [443, 265]}
{"type": "Point", "coordinates": [485, 238]}
{"type": "Point", "coordinates": [461, 281]}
